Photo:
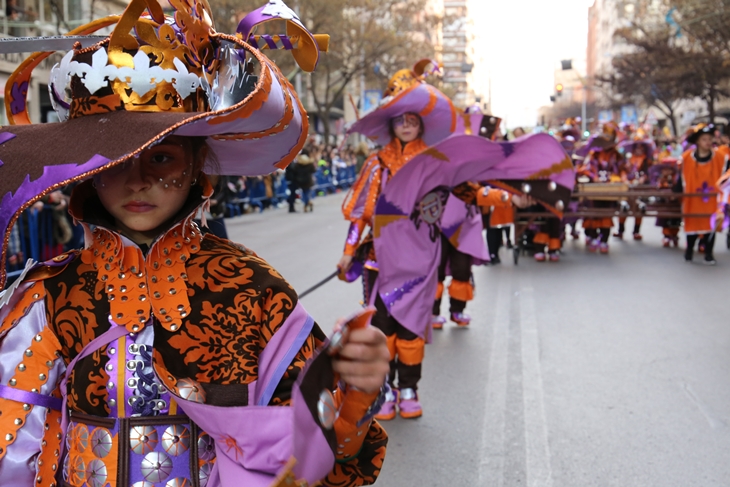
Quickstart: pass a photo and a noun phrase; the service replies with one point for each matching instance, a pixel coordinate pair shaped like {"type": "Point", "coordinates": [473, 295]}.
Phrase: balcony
{"type": "Point", "coordinates": [22, 18]}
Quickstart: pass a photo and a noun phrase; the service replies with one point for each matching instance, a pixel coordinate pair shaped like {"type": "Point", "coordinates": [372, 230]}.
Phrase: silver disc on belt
{"type": "Point", "coordinates": [142, 439]}
{"type": "Point", "coordinates": [176, 439]}
{"type": "Point", "coordinates": [96, 473]}
{"type": "Point", "coordinates": [204, 474]}
{"type": "Point", "coordinates": [206, 447]}
{"type": "Point", "coordinates": [156, 467]}
{"type": "Point", "coordinates": [101, 442]}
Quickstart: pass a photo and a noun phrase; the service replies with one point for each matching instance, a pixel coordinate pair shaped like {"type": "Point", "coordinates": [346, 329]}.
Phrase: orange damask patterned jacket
{"type": "Point", "coordinates": [198, 314]}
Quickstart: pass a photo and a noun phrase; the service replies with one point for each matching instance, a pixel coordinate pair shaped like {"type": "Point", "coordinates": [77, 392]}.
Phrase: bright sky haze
{"type": "Point", "coordinates": [520, 43]}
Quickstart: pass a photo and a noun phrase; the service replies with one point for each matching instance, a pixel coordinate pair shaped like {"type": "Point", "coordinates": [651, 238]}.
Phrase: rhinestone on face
{"type": "Point", "coordinates": [101, 443]}
{"type": "Point", "coordinates": [96, 473]}
{"type": "Point", "coordinates": [176, 439]}
{"type": "Point", "coordinates": [142, 440]}
{"type": "Point", "coordinates": [206, 447]}
{"type": "Point", "coordinates": [156, 467]}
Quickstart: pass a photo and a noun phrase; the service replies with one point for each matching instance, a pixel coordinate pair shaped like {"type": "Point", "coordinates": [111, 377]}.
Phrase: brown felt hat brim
{"type": "Point", "coordinates": [114, 136]}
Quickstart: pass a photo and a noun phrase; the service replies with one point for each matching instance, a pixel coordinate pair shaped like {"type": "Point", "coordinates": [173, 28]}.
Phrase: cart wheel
{"type": "Point", "coordinates": [516, 255]}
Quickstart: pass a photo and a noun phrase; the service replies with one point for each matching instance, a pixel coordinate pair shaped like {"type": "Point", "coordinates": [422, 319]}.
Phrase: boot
{"type": "Point", "coordinates": [408, 404]}
{"type": "Point", "coordinates": [387, 411]}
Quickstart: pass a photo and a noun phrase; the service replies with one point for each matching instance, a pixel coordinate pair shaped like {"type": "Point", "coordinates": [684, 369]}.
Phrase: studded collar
{"type": "Point", "coordinates": [142, 285]}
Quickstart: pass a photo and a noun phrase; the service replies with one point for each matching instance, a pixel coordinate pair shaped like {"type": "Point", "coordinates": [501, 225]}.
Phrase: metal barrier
{"type": "Point", "coordinates": [31, 238]}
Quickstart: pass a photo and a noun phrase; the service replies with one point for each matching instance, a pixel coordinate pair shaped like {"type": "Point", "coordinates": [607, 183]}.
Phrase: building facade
{"type": "Point", "coordinates": [21, 18]}
{"type": "Point", "coordinates": [456, 35]}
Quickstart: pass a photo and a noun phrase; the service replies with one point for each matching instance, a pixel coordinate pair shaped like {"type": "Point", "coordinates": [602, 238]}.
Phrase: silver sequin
{"type": "Point", "coordinates": [143, 439]}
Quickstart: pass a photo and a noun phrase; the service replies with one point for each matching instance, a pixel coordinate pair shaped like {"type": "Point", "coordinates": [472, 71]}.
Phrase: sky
{"type": "Point", "coordinates": [519, 44]}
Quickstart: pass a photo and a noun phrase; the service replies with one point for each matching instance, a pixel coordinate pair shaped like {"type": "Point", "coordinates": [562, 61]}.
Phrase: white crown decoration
{"type": "Point", "coordinates": [141, 79]}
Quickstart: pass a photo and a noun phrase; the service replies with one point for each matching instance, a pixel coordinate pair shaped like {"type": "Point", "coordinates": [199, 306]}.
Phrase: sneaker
{"type": "Point", "coordinates": [540, 257]}
{"type": "Point", "coordinates": [688, 254]}
{"type": "Point", "coordinates": [554, 256]}
{"type": "Point", "coordinates": [603, 248]}
{"type": "Point", "coordinates": [408, 404]}
{"type": "Point", "coordinates": [494, 260]}
{"type": "Point", "coordinates": [461, 319]}
{"type": "Point", "coordinates": [387, 411]}
{"type": "Point", "coordinates": [666, 242]}
{"type": "Point", "coordinates": [638, 236]}
{"type": "Point", "coordinates": [437, 322]}
{"type": "Point", "coordinates": [593, 245]}
{"type": "Point", "coordinates": [710, 261]}
{"type": "Point", "coordinates": [619, 235]}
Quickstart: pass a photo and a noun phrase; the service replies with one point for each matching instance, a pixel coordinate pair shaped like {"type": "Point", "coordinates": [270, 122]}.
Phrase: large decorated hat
{"type": "Point", "coordinates": [407, 92]}
{"type": "Point", "coordinates": [157, 75]}
{"type": "Point", "coordinates": [699, 130]}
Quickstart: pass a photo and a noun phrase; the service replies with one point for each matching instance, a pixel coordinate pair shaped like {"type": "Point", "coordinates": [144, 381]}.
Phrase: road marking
{"type": "Point", "coordinates": [694, 399]}
{"type": "Point", "coordinates": [537, 448]}
{"type": "Point", "coordinates": [492, 448]}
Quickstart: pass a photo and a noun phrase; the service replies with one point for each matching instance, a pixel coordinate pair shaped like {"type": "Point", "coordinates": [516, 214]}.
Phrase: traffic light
{"type": "Point", "coordinates": [559, 89]}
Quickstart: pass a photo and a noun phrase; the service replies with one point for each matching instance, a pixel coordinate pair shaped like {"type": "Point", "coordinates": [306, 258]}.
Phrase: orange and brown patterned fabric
{"type": "Point", "coordinates": [215, 307]}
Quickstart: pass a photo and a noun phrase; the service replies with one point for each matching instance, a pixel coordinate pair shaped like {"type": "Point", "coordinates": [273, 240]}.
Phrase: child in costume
{"type": "Point", "coordinates": [603, 165]}
{"type": "Point", "coordinates": [664, 176]}
{"type": "Point", "coordinates": [701, 168]}
{"type": "Point", "coordinates": [462, 246]}
{"type": "Point", "coordinates": [158, 355]}
{"type": "Point", "coordinates": [640, 157]}
{"type": "Point", "coordinates": [412, 115]}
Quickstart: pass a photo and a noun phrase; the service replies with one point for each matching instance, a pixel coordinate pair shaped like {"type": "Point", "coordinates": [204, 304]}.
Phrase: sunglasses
{"type": "Point", "coordinates": [407, 120]}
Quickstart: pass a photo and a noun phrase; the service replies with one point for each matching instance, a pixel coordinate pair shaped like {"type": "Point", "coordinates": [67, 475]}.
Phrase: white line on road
{"type": "Point", "coordinates": [537, 448]}
{"type": "Point", "coordinates": [492, 448]}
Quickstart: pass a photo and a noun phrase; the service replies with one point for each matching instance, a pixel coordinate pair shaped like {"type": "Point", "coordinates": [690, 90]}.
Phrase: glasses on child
{"type": "Point", "coordinates": [407, 120]}
{"type": "Point", "coordinates": [166, 164]}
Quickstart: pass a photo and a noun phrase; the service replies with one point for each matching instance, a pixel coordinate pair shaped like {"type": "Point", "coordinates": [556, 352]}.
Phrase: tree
{"type": "Point", "coordinates": [364, 34]}
{"type": "Point", "coordinates": [656, 72]}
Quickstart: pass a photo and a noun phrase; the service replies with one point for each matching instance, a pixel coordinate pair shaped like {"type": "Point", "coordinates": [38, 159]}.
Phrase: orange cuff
{"type": "Point", "coordinates": [541, 238]}
{"type": "Point", "coordinates": [410, 352]}
{"type": "Point", "coordinates": [390, 340]}
{"type": "Point", "coordinates": [554, 244]}
{"type": "Point", "coordinates": [354, 405]}
{"type": "Point", "coordinates": [463, 291]}
{"type": "Point", "coordinates": [439, 290]}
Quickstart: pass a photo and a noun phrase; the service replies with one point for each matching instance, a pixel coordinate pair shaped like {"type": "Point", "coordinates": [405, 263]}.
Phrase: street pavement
{"type": "Point", "coordinates": [601, 370]}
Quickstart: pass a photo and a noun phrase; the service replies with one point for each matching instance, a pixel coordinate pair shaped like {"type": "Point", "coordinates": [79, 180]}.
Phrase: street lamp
{"type": "Point", "coordinates": [567, 65]}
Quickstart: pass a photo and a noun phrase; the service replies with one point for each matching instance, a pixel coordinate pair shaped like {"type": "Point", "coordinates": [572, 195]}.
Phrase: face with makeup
{"type": "Point", "coordinates": [145, 192]}
{"type": "Point", "coordinates": [407, 127]}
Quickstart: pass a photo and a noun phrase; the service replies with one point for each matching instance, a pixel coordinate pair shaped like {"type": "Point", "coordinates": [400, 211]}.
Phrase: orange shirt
{"type": "Point", "coordinates": [701, 178]}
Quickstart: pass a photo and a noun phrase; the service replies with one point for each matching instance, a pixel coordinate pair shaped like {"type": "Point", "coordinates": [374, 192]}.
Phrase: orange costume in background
{"type": "Point", "coordinates": [701, 177]}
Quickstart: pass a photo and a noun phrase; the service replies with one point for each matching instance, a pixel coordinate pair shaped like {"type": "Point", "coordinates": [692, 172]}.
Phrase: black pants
{"type": "Point", "coordinates": [460, 264]}
{"type": "Point", "coordinates": [408, 375]}
{"type": "Point", "coordinates": [706, 239]}
{"type": "Point", "coordinates": [494, 237]}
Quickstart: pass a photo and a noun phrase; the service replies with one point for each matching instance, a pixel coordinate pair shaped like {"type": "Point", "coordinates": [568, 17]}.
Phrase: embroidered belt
{"type": "Point", "coordinates": [169, 451]}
